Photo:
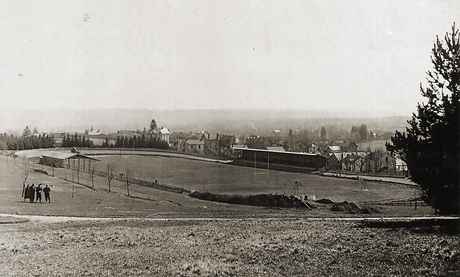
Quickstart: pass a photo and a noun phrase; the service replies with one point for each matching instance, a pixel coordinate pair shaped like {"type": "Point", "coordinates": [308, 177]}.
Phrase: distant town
{"type": "Point", "coordinates": [329, 148]}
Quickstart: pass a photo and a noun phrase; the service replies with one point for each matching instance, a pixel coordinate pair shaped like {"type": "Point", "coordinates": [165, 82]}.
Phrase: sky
{"type": "Point", "coordinates": [338, 55]}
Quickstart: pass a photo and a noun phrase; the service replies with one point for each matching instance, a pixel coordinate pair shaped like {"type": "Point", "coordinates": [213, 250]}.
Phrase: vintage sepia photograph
{"type": "Point", "coordinates": [230, 138]}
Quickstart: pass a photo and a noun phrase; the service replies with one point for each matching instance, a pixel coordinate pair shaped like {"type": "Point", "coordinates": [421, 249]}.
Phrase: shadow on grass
{"type": "Point", "coordinates": [141, 198]}
{"type": "Point", "coordinates": [421, 226]}
{"type": "Point", "coordinates": [152, 200]}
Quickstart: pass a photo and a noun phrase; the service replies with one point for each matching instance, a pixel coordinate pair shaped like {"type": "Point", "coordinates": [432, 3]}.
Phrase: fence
{"type": "Point", "coordinates": [86, 177]}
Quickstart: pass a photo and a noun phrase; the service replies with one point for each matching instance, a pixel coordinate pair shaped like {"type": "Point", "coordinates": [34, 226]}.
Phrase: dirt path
{"type": "Point", "coordinates": [393, 180]}
{"type": "Point", "coordinates": [56, 219]}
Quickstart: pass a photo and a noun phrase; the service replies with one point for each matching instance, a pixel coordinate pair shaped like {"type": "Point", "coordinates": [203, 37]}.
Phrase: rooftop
{"type": "Point", "coordinates": [274, 151]}
{"type": "Point", "coordinates": [66, 155]}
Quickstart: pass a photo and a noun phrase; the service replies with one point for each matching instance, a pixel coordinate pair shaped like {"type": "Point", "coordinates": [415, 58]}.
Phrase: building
{"type": "Point", "coordinates": [93, 132]}
{"type": "Point", "coordinates": [276, 148]}
{"type": "Point", "coordinates": [66, 159]}
{"type": "Point", "coordinates": [58, 138]}
{"type": "Point", "coordinates": [194, 146]}
{"type": "Point", "coordinates": [127, 133]}
{"type": "Point", "coordinates": [353, 163]}
{"type": "Point", "coordinates": [101, 140]}
{"type": "Point", "coordinates": [400, 165]}
{"type": "Point", "coordinates": [291, 161]}
{"type": "Point", "coordinates": [165, 134]}
{"type": "Point", "coordinates": [313, 148]}
{"type": "Point", "coordinates": [333, 149]}
{"type": "Point", "coordinates": [211, 144]}
{"type": "Point", "coordinates": [332, 161]}
{"type": "Point", "coordinates": [380, 161]}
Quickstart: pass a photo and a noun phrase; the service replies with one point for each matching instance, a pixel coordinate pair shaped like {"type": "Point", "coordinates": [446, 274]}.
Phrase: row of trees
{"type": "Point", "coordinates": [357, 133]}
{"type": "Point", "coordinates": [141, 141]}
{"type": "Point", "coordinates": [76, 140]}
{"type": "Point", "coordinates": [12, 142]}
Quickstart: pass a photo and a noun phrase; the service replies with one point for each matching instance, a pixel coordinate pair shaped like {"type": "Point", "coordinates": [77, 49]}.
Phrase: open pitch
{"type": "Point", "coordinates": [224, 178]}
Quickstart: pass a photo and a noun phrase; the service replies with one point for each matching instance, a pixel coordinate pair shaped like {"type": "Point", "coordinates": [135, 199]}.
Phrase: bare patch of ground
{"type": "Point", "coordinates": [236, 248]}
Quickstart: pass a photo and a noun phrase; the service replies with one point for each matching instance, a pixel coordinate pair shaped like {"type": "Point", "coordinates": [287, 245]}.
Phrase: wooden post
{"type": "Point", "coordinates": [92, 177]}
{"type": "Point", "coordinates": [72, 169]}
{"type": "Point", "coordinates": [109, 175]}
{"type": "Point", "coordinates": [127, 181]}
{"type": "Point", "coordinates": [268, 160]}
{"type": "Point", "coordinates": [78, 171]}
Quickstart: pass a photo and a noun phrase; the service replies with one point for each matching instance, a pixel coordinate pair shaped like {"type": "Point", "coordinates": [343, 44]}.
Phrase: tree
{"type": "Point", "coordinates": [363, 132]}
{"type": "Point", "coordinates": [354, 133]}
{"type": "Point", "coordinates": [431, 144]}
{"type": "Point", "coordinates": [26, 132]}
{"type": "Point", "coordinates": [153, 126]}
{"type": "Point", "coordinates": [323, 133]}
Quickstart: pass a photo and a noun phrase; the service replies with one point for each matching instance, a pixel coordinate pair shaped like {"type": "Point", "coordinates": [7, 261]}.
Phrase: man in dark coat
{"type": "Point", "coordinates": [38, 193]}
{"type": "Point", "coordinates": [31, 193]}
{"type": "Point", "coordinates": [47, 190]}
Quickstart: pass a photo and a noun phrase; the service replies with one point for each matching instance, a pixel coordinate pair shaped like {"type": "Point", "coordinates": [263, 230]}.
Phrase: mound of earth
{"type": "Point", "coordinates": [324, 201]}
{"type": "Point", "coordinates": [264, 200]}
{"type": "Point", "coordinates": [353, 208]}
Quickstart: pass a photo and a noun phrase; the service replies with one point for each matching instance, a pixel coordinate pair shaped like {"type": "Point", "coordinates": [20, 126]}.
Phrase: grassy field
{"type": "Point", "coordinates": [76, 200]}
{"type": "Point", "coordinates": [286, 243]}
{"type": "Point", "coordinates": [223, 178]}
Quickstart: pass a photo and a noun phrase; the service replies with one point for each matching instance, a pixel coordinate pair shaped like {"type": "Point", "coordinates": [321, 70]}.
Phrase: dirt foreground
{"type": "Point", "coordinates": [223, 248]}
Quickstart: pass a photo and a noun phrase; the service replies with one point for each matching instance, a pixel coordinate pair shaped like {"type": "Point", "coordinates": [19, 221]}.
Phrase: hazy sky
{"type": "Point", "coordinates": [159, 54]}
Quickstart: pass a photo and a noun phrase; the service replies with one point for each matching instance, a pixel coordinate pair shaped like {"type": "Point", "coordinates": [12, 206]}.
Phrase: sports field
{"type": "Point", "coordinates": [223, 178]}
{"type": "Point", "coordinates": [230, 240]}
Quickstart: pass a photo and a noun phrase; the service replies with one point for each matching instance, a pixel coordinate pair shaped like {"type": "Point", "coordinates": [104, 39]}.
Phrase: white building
{"type": "Point", "coordinates": [164, 134]}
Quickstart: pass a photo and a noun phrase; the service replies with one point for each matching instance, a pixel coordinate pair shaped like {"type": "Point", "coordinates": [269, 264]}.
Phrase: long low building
{"type": "Point", "coordinates": [63, 159]}
{"type": "Point", "coordinates": [273, 159]}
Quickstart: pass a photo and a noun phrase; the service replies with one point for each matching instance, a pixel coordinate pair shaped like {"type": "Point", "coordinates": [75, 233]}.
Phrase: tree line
{"type": "Point", "coordinates": [12, 142]}
{"type": "Point", "coordinates": [141, 141]}
{"type": "Point", "coordinates": [76, 140]}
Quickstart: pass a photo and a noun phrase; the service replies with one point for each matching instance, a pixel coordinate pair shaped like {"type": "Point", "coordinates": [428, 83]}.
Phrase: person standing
{"type": "Point", "coordinates": [47, 190]}
{"type": "Point", "coordinates": [38, 193]}
{"type": "Point", "coordinates": [25, 193]}
{"type": "Point", "coordinates": [31, 193]}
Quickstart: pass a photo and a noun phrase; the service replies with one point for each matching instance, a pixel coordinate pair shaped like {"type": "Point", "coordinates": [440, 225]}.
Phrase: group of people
{"type": "Point", "coordinates": [34, 193]}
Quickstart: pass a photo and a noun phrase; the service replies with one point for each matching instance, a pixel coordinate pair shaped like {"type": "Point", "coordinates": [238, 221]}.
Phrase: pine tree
{"type": "Point", "coordinates": [431, 143]}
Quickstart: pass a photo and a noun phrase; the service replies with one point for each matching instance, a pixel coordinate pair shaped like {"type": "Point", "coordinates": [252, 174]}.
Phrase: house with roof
{"type": "Point", "coordinates": [353, 163]}
{"type": "Point", "coordinates": [165, 134]}
{"type": "Point", "coordinates": [313, 148]}
{"type": "Point", "coordinates": [380, 161]}
{"type": "Point", "coordinates": [211, 143]}
{"type": "Point", "coordinates": [400, 165]}
{"type": "Point", "coordinates": [65, 159]}
{"type": "Point", "coordinates": [332, 161]}
{"type": "Point", "coordinates": [333, 149]}
{"type": "Point", "coordinates": [194, 146]}
{"type": "Point", "coordinates": [127, 133]}
{"type": "Point", "coordinates": [275, 148]}
{"type": "Point", "coordinates": [218, 144]}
